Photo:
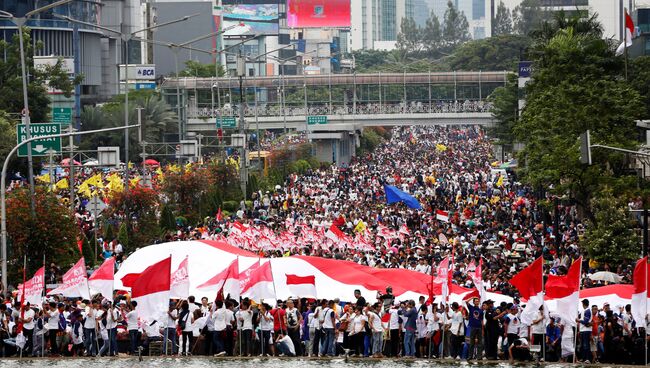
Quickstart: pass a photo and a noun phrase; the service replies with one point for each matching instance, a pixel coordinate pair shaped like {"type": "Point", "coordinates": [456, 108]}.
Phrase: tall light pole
{"type": "Point", "coordinates": [20, 22]}
{"type": "Point", "coordinates": [126, 38]}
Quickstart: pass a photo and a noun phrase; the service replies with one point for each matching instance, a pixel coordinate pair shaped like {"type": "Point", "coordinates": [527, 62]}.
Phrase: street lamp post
{"type": "Point", "coordinates": [126, 38]}
{"type": "Point", "coordinates": [20, 22]}
{"type": "Point", "coordinates": [3, 179]}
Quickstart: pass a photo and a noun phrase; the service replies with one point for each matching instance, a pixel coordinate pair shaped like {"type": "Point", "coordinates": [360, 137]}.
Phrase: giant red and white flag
{"type": "Point", "coordinates": [640, 296]}
{"type": "Point", "coordinates": [260, 285]}
{"type": "Point", "coordinates": [529, 282]}
{"type": "Point", "coordinates": [33, 288]}
{"type": "Point", "coordinates": [245, 275]}
{"type": "Point", "coordinates": [180, 284]}
{"type": "Point", "coordinates": [629, 32]}
{"type": "Point", "coordinates": [75, 282]}
{"type": "Point", "coordinates": [302, 286]}
{"type": "Point", "coordinates": [103, 279]}
{"type": "Point", "coordinates": [565, 290]}
{"type": "Point", "coordinates": [226, 281]}
{"type": "Point", "coordinates": [151, 290]}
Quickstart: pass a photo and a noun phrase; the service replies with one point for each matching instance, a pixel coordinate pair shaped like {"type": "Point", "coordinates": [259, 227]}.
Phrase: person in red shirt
{"type": "Point", "coordinates": [279, 314]}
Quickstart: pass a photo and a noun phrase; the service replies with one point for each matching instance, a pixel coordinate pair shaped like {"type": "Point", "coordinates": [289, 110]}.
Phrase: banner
{"type": "Point", "coordinates": [75, 282]}
{"type": "Point", "coordinates": [33, 288]}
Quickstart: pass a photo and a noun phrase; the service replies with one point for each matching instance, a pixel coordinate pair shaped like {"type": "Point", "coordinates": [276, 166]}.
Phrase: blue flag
{"type": "Point", "coordinates": [394, 195]}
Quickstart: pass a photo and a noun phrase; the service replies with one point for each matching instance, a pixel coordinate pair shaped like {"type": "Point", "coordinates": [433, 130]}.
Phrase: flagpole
{"type": "Point", "coordinates": [543, 316]}
{"type": "Point", "coordinates": [625, 39]}
{"type": "Point", "coordinates": [431, 306]}
{"type": "Point", "coordinates": [575, 337]}
{"type": "Point", "coordinates": [42, 291]}
{"type": "Point", "coordinates": [22, 301]}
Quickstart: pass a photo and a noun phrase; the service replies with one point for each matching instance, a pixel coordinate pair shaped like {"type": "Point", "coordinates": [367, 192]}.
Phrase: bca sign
{"type": "Point", "coordinates": [145, 72]}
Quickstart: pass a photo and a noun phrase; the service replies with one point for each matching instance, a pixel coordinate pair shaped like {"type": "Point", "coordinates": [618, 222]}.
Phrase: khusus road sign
{"type": "Point", "coordinates": [95, 206]}
{"type": "Point", "coordinates": [227, 122]}
{"type": "Point", "coordinates": [321, 119]}
{"type": "Point", "coordinates": [40, 147]}
{"type": "Point", "coordinates": [62, 115]}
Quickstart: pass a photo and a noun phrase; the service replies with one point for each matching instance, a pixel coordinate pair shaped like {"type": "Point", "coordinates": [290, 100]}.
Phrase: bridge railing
{"type": "Point", "coordinates": [276, 110]}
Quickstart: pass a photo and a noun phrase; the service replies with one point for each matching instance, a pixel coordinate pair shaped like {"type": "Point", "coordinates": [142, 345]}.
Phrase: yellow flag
{"type": "Point", "coordinates": [115, 183]}
{"type": "Point", "coordinates": [174, 168]}
{"type": "Point", "coordinates": [84, 189]}
{"type": "Point", "coordinates": [45, 178]}
{"type": "Point", "coordinates": [62, 184]}
{"type": "Point", "coordinates": [441, 147]}
{"type": "Point", "coordinates": [134, 182]}
{"type": "Point", "coordinates": [188, 166]}
{"type": "Point", "coordinates": [500, 181]}
{"type": "Point", "coordinates": [159, 172]}
{"type": "Point", "coordinates": [361, 227]}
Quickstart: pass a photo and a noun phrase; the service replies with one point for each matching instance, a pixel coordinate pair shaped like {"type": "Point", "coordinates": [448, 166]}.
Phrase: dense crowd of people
{"type": "Point", "coordinates": [492, 218]}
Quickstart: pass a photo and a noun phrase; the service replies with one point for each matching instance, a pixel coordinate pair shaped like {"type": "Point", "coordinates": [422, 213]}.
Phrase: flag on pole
{"type": "Point", "coordinates": [629, 32]}
{"type": "Point", "coordinates": [219, 216]}
{"type": "Point", "coordinates": [226, 281]}
{"type": "Point", "coordinates": [565, 290]}
{"type": "Point", "coordinates": [394, 195]}
{"type": "Point", "coordinates": [302, 286]}
{"type": "Point", "coordinates": [33, 289]}
{"type": "Point", "coordinates": [260, 286]}
{"type": "Point", "coordinates": [442, 215]}
{"type": "Point", "coordinates": [180, 284]}
{"type": "Point", "coordinates": [529, 283]}
{"type": "Point", "coordinates": [75, 282]}
{"type": "Point", "coordinates": [443, 278]}
{"type": "Point", "coordinates": [335, 234]}
{"type": "Point", "coordinates": [101, 281]}
{"type": "Point", "coordinates": [640, 296]}
{"type": "Point", "coordinates": [477, 278]}
{"type": "Point", "coordinates": [151, 290]}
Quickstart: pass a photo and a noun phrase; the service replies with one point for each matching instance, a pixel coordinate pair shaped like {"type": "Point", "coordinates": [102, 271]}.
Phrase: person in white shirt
{"type": "Point", "coordinates": [358, 321]}
{"type": "Point", "coordinates": [185, 321]}
{"type": "Point", "coordinates": [457, 330]}
{"type": "Point", "coordinates": [52, 326]}
{"type": "Point", "coordinates": [133, 327]}
{"type": "Point", "coordinates": [265, 320]}
{"type": "Point", "coordinates": [219, 321]}
{"type": "Point", "coordinates": [421, 332]}
{"type": "Point", "coordinates": [377, 329]}
{"type": "Point", "coordinates": [170, 329]}
{"type": "Point", "coordinates": [394, 326]}
{"type": "Point", "coordinates": [433, 328]}
{"type": "Point", "coordinates": [538, 329]}
{"type": "Point", "coordinates": [293, 321]}
{"type": "Point", "coordinates": [245, 325]}
{"type": "Point", "coordinates": [28, 328]}
{"type": "Point", "coordinates": [89, 328]}
{"type": "Point", "coordinates": [285, 346]}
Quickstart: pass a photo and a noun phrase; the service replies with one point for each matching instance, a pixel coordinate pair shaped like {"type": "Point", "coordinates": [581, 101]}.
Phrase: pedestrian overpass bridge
{"type": "Point", "coordinates": [339, 105]}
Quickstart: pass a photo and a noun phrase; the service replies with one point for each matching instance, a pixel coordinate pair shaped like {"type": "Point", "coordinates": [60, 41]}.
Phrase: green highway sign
{"type": "Point", "coordinates": [227, 122]}
{"type": "Point", "coordinates": [40, 147]}
{"type": "Point", "coordinates": [62, 115]}
{"type": "Point", "coordinates": [321, 119]}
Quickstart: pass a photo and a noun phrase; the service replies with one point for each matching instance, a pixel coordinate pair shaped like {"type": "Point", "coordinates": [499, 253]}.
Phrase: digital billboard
{"type": "Point", "coordinates": [257, 19]}
{"type": "Point", "coordinates": [318, 13]}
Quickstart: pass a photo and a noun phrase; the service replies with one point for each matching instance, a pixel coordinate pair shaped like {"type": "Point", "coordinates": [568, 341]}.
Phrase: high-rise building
{"type": "Point", "coordinates": [376, 23]}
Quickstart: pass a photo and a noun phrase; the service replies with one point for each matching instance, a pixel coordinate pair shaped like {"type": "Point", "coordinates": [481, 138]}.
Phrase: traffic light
{"type": "Point", "coordinates": [585, 148]}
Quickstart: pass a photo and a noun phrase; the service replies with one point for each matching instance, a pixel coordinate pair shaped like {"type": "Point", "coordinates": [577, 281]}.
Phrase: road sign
{"type": "Point", "coordinates": [227, 122]}
{"type": "Point", "coordinates": [321, 119]}
{"type": "Point", "coordinates": [62, 115]}
{"type": "Point", "coordinates": [40, 147]}
{"type": "Point", "coordinates": [95, 206]}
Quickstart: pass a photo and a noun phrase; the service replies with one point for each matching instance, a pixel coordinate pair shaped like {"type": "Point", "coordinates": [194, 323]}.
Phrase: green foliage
{"type": "Point", "coordinates": [409, 39]}
{"type": "Point", "coordinates": [194, 68]}
{"type": "Point", "coordinates": [506, 106]}
{"type": "Point", "coordinates": [89, 250]}
{"type": "Point", "coordinates": [639, 78]}
{"type": "Point", "coordinates": [109, 232]}
{"type": "Point", "coordinates": [7, 135]}
{"type": "Point", "coordinates": [577, 85]}
{"type": "Point", "coordinates": [11, 87]}
{"type": "Point", "coordinates": [502, 24]}
{"type": "Point", "coordinates": [432, 34]}
{"type": "Point", "coordinates": [230, 206]}
{"type": "Point", "coordinates": [494, 53]}
{"type": "Point", "coordinates": [52, 232]}
{"type": "Point", "coordinates": [300, 166]}
{"type": "Point", "coordinates": [370, 139]}
{"type": "Point", "coordinates": [456, 28]}
{"type": "Point", "coordinates": [527, 16]}
{"type": "Point", "coordinates": [609, 237]}
{"type": "Point", "coordinates": [167, 220]}
{"type": "Point", "coordinates": [123, 235]}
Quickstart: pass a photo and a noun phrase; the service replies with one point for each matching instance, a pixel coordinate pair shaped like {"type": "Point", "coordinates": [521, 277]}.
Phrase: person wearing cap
{"type": "Point", "coordinates": [584, 320]}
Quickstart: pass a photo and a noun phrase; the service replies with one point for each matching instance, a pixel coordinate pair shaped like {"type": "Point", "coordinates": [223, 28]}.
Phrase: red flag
{"type": "Point", "coordinates": [260, 286]}
{"type": "Point", "coordinates": [180, 287]}
{"type": "Point", "coordinates": [102, 280]}
{"type": "Point", "coordinates": [529, 280]}
{"type": "Point", "coordinates": [640, 297]}
{"type": "Point", "coordinates": [226, 281]}
{"type": "Point", "coordinates": [80, 244]}
{"type": "Point", "coordinates": [75, 282]}
{"type": "Point", "coordinates": [22, 303]}
{"type": "Point", "coordinates": [565, 290]}
{"type": "Point", "coordinates": [219, 215]}
{"type": "Point", "coordinates": [33, 288]}
{"type": "Point", "coordinates": [151, 289]}
{"type": "Point", "coordinates": [302, 286]}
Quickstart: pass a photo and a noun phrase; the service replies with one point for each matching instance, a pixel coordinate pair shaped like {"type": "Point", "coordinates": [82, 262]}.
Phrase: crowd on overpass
{"type": "Point", "coordinates": [490, 218]}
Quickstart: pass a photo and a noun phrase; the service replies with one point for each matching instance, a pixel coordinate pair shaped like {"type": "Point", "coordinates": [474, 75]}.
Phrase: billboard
{"type": "Point", "coordinates": [318, 13]}
{"type": "Point", "coordinates": [257, 19]}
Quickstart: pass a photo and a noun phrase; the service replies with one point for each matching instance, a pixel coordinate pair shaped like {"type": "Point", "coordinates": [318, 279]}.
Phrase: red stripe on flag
{"type": "Point", "coordinates": [296, 280]}
{"type": "Point", "coordinates": [154, 279]}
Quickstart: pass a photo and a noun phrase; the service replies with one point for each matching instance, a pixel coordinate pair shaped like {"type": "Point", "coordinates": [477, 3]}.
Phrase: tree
{"type": "Point", "coordinates": [494, 53]}
{"type": "Point", "coordinates": [527, 16]}
{"type": "Point", "coordinates": [409, 39]}
{"type": "Point", "coordinates": [136, 211]}
{"type": "Point", "coordinates": [609, 237]}
{"type": "Point", "coordinates": [167, 220]}
{"type": "Point", "coordinates": [505, 109]}
{"type": "Point", "coordinates": [186, 189]}
{"type": "Point", "coordinates": [639, 79]}
{"type": "Point", "coordinates": [7, 135]}
{"type": "Point", "coordinates": [35, 236]}
{"type": "Point", "coordinates": [456, 27]}
{"type": "Point", "coordinates": [577, 85]}
{"type": "Point", "coordinates": [502, 21]}
{"type": "Point", "coordinates": [11, 85]}
{"type": "Point", "coordinates": [197, 69]}
{"type": "Point", "coordinates": [432, 34]}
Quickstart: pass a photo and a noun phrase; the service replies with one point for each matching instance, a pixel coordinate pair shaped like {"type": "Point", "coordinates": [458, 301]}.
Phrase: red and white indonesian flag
{"type": "Point", "coordinates": [629, 32]}
{"type": "Point", "coordinates": [335, 234]}
{"type": "Point", "coordinates": [442, 215]}
{"type": "Point", "coordinates": [302, 286]}
{"type": "Point", "coordinates": [180, 284]}
{"type": "Point", "coordinates": [102, 280]}
{"type": "Point", "coordinates": [260, 285]}
{"type": "Point", "coordinates": [33, 288]}
{"type": "Point", "coordinates": [226, 280]}
{"type": "Point", "coordinates": [238, 228]}
{"type": "Point", "coordinates": [443, 278]}
{"type": "Point", "coordinates": [151, 290]}
{"type": "Point", "coordinates": [529, 283]}
{"type": "Point", "coordinates": [477, 278]}
{"type": "Point", "coordinates": [565, 290]}
{"type": "Point", "coordinates": [640, 293]}
{"type": "Point", "coordinates": [75, 282]}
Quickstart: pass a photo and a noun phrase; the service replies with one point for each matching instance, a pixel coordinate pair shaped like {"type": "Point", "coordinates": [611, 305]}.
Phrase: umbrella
{"type": "Point", "coordinates": [151, 162]}
{"type": "Point", "coordinates": [91, 162]}
{"type": "Point", "coordinates": [65, 162]}
{"type": "Point", "coordinates": [606, 276]}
